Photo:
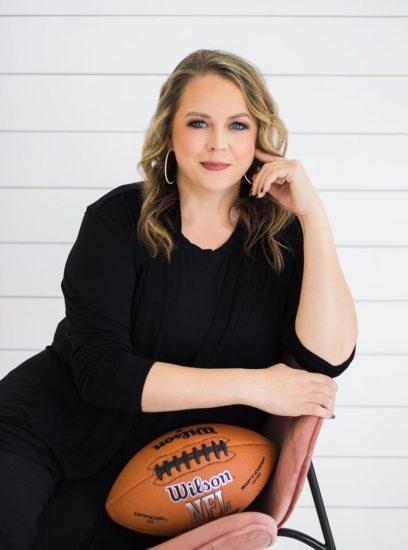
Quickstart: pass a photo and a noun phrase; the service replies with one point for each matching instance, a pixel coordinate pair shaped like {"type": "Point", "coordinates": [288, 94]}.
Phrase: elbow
{"type": "Point", "coordinates": [343, 348]}
{"type": "Point", "coordinates": [339, 357]}
{"type": "Point", "coordinates": [335, 344]}
{"type": "Point", "coordinates": [87, 373]}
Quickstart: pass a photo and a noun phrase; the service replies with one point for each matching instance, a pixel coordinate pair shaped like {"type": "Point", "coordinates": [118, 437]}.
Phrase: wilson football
{"type": "Point", "coordinates": [190, 476]}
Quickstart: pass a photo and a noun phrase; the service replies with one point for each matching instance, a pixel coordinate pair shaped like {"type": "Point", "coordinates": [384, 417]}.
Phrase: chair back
{"type": "Point", "coordinates": [295, 438]}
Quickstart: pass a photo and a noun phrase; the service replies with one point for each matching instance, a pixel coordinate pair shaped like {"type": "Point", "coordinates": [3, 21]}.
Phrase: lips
{"type": "Point", "coordinates": [215, 165]}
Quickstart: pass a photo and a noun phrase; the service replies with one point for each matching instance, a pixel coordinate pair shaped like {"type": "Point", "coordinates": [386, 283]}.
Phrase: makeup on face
{"type": "Point", "coordinates": [213, 134]}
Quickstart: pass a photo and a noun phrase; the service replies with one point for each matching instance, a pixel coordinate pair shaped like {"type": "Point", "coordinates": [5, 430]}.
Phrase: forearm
{"type": "Point", "coordinates": [326, 320]}
{"type": "Point", "coordinates": [277, 389]}
{"type": "Point", "coordinates": [170, 387]}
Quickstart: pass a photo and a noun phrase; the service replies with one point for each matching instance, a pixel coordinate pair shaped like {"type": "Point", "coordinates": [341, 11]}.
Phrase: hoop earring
{"type": "Point", "coordinates": [165, 168]}
{"type": "Point", "coordinates": [249, 181]}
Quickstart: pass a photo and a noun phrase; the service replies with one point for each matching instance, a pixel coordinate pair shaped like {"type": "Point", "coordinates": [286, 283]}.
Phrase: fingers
{"type": "Point", "coordinates": [322, 400]}
{"type": "Point", "coordinates": [263, 180]}
{"type": "Point", "coordinates": [313, 409]}
{"type": "Point", "coordinates": [265, 157]}
{"type": "Point", "coordinates": [322, 378]}
{"type": "Point", "coordinates": [324, 383]}
{"type": "Point", "coordinates": [293, 392]}
{"type": "Point", "coordinates": [321, 395]}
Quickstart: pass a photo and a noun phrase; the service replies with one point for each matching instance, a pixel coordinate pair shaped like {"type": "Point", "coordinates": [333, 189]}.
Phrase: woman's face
{"type": "Point", "coordinates": [212, 125]}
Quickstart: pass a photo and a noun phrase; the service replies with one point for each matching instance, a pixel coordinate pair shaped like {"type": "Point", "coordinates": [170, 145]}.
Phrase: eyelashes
{"type": "Point", "coordinates": [243, 126]}
{"type": "Point", "coordinates": [193, 123]}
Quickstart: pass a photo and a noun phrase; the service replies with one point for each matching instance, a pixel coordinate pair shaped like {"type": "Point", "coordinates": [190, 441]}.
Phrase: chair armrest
{"type": "Point", "coordinates": [244, 530]}
{"type": "Point", "coordinates": [296, 438]}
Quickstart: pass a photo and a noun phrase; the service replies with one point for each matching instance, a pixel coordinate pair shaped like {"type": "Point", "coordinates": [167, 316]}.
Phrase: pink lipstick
{"type": "Point", "coordinates": [215, 165]}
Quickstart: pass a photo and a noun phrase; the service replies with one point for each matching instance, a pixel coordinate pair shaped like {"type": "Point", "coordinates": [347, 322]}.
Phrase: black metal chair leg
{"type": "Point", "coordinates": [323, 519]}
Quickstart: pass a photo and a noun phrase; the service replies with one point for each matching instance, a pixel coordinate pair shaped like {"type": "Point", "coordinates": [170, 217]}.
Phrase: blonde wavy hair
{"type": "Point", "coordinates": [261, 219]}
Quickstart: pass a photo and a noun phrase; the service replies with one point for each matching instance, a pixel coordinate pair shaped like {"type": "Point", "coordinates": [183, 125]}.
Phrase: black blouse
{"type": "Point", "coordinates": [125, 310]}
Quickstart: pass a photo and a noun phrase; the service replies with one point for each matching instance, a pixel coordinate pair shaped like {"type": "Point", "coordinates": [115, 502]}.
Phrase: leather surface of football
{"type": "Point", "coordinates": [190, 476]}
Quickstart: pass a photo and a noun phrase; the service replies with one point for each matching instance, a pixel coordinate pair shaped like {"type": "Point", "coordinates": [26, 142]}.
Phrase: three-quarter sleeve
{"type": "Point", "coordinates": [98, 286]}
{"type": "Point", "coordinates": [292, 347]}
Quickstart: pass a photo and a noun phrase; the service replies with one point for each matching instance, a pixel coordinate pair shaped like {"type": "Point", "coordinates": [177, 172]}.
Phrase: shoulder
{"type": "Point", "coordinates": [120, 206]}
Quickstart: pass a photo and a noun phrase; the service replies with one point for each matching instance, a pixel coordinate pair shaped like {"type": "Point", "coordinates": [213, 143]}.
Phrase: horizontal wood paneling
{"type": "Point", "coordinates": [355, 218]}
{"type": "Point", "coordinates": [354, 162]}
{"type": "Point", "coordinates": [382, 327]}
{"type": "Point", "coordinates": [362, 53]}
{"type": "Point", "coordinates": [306, 104]}
{"type": "Point", "coordinates": [45, 263]}
{"type": "Point", "coordinates": [372, 381]}
{"type": "Point", "coordinates": [273, 7]}
{"type": "Point", "coordinates": [375, 273]}
{"type": "Point", "coordinates": [381, 482]}
{"type": "Point", "coordinates": [353, 528]}
{"type": "Point", "coordinates": [70, 160]}
{"type": "Point", "coordinates": [359, 432]}
{"type": "Point", "coordinates": [382, 324]}
{"type": "Point", "coordinates": [54, 215]}
{"type": "Point", "coordinates": [29, 323]}
{"type": "Point", "coordinates": [49, 215]}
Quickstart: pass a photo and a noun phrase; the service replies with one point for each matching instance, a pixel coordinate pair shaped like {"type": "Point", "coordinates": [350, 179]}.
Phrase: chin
{"type": "Point", "coordinates": [219, 185]}
{"type": "Point", "coordinates": [213, 181]}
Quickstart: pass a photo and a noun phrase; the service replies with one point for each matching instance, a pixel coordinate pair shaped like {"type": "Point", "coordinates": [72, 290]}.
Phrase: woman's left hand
{"type": "Point", "coordinates": [287, 181]}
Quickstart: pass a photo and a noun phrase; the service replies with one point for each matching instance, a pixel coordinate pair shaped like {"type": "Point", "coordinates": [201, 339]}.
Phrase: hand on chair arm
{"type": "Point", "coordinates": [284, 391]}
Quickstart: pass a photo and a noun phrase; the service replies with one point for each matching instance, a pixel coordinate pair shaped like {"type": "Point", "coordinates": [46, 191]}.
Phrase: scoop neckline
{"type": "Point", "coordinates": [207, 251]}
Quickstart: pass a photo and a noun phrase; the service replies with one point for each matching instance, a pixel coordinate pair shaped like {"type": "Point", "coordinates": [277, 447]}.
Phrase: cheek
{"type": "Point", "coordinates": [188, 143]}
{"type": "Point", "coordinates": [246, 150]}
{"type": "Point", "coordinates": [247, 142]}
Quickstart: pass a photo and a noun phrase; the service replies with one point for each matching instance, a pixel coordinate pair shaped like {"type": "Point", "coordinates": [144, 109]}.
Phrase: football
{"type": "Point", "coordinates": [190, 476]}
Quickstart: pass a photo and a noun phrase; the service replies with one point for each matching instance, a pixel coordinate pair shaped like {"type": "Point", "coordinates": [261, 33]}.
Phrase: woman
{"type": "Point", "coordinates": [187, 295]}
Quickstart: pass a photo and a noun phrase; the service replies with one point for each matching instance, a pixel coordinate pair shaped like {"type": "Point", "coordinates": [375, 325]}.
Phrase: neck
{"type": "Point", "coordinates": [204, 209]}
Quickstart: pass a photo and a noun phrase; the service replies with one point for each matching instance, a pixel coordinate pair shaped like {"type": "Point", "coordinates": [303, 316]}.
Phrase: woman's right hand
{"type": "Point", "coordinates": [286, 391]}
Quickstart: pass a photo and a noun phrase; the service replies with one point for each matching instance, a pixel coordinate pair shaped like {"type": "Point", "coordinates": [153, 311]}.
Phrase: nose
{"type": "Point", "coordinates": [217, 139]}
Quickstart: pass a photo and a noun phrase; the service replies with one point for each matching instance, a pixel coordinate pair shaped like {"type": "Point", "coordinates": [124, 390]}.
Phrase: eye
{"type": "Point", "coordinates": [193, 123]}
{"type": "Point", "coordinates": [241, 124]}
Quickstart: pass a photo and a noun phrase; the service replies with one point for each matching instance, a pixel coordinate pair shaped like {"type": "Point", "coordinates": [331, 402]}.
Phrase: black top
{"type": "Point", "coordinates": [126, 310]}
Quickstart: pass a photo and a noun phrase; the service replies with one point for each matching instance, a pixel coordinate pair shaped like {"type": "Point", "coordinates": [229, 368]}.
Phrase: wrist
{"type": "Point", "coordinates": [247, 386]}
{"type": "Point", "coordinates": [315, 221]}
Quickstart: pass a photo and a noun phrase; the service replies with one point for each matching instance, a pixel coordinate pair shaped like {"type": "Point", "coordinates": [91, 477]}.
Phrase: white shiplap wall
{"type": "Point", "coordinates": [78, 83]}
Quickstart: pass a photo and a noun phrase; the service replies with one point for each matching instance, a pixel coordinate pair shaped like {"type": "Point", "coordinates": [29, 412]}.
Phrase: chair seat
{"type": "Point", "coordinates": [246, 530]}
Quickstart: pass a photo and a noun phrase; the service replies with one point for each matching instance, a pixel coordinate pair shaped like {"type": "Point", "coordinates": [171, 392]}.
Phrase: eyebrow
{"type": "Point", "coordinates": [204, 115]}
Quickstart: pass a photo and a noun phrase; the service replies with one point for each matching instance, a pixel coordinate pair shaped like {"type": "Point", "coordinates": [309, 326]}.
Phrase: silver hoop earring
{"type": "Point", "coordinates": [249, 181]}
{"type": "Point", "coordinates": [165, 168]}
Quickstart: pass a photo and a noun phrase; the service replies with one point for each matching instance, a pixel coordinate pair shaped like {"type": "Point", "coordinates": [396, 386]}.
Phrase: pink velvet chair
{"type": "Point", "coordinates": [259, 527]}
